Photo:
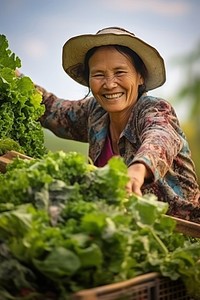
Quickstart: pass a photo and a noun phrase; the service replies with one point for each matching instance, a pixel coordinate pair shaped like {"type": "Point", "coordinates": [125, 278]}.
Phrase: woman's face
{"type": "Point", "coordinates": [113, 79]}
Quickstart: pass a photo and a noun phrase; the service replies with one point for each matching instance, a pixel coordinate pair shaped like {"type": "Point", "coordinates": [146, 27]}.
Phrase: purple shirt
{"type": "Point", "coordinates": [106, 153]}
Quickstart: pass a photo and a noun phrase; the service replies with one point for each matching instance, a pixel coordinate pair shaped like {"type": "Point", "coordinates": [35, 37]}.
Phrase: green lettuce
{"type": "Point", "coordinates": [67, 225]}
{"type": "Point", "coordinates": [20, 105]}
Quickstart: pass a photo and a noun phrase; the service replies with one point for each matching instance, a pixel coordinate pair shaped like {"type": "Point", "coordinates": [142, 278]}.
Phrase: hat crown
{"type": "Point", "coordinates": [114, 30]}
{"type": "Point", "coordinates": [76, 48]}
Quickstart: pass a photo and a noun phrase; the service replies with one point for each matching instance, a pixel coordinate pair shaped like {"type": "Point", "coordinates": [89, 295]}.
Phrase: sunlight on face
{"type": "Point", "coordinates": [113, 79]}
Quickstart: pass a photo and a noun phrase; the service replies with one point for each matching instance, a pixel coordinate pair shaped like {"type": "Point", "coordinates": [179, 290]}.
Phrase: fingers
{"type": "Point", "coordinates": [134, 186]}
{"type": "Point", "coordinates": [136, 173]}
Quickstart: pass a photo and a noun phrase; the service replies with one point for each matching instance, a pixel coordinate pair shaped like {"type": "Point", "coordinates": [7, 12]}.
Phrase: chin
{"type": "Point", "coordinates": [114, 110]}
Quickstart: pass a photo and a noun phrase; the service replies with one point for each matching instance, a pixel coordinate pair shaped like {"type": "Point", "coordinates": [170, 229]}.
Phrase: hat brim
{"type": "Point", "coordinates": [75, 49]}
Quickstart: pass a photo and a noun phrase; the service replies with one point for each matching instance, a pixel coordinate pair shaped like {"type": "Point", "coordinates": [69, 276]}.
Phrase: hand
{"type": "Point", "coordinates": [137, 173]}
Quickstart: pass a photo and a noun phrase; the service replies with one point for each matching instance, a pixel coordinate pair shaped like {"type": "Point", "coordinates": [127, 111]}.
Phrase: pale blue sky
{"type": "Point", "coordinates": [37, 29]}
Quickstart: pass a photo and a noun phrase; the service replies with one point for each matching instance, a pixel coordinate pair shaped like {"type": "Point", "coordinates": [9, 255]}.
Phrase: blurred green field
{"type": "Point", "coordinates": [54, 143]}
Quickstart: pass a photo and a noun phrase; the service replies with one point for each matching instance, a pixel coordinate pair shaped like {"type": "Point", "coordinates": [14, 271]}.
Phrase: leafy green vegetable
{"type": "Point", "coordinates": [71, 226]}
{"type": "Point", "coordinates": [7, 58]}
{"type": "Point", "coordinates": [8, 144]}
{"type": "Point", "coordinates": [20, 106]}
{"type": "Point", "coordinates": [60, 262]}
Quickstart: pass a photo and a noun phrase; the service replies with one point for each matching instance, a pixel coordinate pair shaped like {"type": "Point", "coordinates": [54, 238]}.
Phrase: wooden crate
{"type": "Point", "coordinates": [8, 157]}
{"type": "Point", "coordinates": [150, 286]}
{"type": "Point", "coordinates": [188, 228]}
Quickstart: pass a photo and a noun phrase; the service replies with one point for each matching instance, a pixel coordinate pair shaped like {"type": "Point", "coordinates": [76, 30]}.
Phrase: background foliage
{"type": "Point", "coordinates": [189, 92]}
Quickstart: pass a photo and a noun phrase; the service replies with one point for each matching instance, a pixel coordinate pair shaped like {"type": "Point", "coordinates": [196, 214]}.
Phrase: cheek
{"type": "Point", "coordinates": [94, 86]}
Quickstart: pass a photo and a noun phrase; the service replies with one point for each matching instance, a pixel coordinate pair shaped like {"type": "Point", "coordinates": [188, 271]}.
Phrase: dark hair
{"type": "Point", "coordinates": [136, 60]}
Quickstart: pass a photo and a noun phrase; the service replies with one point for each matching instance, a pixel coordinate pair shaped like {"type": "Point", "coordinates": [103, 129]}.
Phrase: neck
{"type": "Point", "coordinates": [118, 123]}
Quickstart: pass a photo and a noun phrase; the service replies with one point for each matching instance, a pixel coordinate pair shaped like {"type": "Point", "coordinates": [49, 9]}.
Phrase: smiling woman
{"type": "Point", "coordinates": [114, 82]}
{"type": "Point", "coordinates": [121, 119]}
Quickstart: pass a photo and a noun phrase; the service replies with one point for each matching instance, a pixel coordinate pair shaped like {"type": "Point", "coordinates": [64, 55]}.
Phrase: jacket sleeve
{"type": "Point", "coordinates": [160, 136]}
{"type": "Point", "coordinates": [65, 118]}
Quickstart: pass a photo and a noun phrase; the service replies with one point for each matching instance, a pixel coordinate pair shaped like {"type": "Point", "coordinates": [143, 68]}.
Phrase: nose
{"type": "Point", "coordinates": [110, 82]}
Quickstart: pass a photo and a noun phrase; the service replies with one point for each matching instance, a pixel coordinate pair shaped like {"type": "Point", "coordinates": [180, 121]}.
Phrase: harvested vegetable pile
{"type": "Point", "coordinates": [66, 225]}
{"type": "Point", "coordinates": [20, 108]}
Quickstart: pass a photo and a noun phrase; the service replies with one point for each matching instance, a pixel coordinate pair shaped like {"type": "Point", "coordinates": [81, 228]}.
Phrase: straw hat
{"type": "Point", "coordinates": [75, 49]}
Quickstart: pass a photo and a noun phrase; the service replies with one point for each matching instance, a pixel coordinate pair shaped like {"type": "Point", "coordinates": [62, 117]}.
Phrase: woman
{"type": "Point", "coordinates": [121, 119]}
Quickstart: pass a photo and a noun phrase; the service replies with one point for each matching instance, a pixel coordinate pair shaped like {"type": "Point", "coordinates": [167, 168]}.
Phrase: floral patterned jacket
{"type": "Point", "coordinates": [152, 136]}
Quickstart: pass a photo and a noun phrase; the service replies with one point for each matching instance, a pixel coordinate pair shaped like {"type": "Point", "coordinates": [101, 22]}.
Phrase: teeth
{"type": "Point", "coordinates": [117, 95]}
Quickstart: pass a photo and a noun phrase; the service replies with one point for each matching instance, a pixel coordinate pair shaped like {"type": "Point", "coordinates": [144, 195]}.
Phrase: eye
{"type": "Point", "coordinates": [120, 73]}
{"type": "Point", "coordinates": [97, 75]}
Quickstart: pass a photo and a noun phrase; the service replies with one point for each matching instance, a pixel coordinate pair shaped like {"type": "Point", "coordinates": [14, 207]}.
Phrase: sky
{"type": "Point", "coordinates": [36, 30]}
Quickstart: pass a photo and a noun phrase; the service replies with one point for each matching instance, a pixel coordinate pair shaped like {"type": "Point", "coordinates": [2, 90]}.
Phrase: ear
{"type": "Point", "coordinates": [141, 80]}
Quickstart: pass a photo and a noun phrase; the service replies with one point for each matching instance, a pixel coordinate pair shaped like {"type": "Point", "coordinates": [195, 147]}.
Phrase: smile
{"type": "Point", "coordinates": [113, 96]}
